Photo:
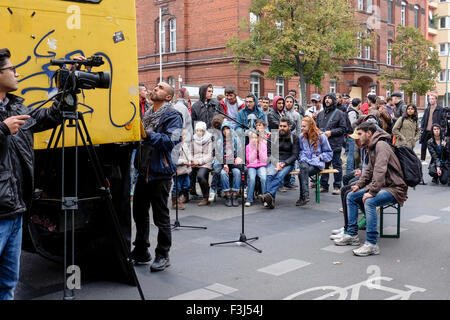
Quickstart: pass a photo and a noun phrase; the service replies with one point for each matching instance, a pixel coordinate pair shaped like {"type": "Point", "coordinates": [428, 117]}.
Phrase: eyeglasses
{"type": "Point", "coordinates": [12, 68]}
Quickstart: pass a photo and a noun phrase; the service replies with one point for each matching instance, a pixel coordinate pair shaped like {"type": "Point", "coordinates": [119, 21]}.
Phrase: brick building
{"type": "Point", "coordinates": [195, 33]}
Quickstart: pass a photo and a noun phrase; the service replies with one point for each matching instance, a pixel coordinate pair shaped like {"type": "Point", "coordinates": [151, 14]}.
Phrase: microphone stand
{"type": "Point", "coordinates": [242, 238]}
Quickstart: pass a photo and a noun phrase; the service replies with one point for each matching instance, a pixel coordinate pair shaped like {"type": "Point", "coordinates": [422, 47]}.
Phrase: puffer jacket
{"type": "Point", "coordinates": [17, 150]}
{"type": "Point", "coordinates": [384, 171]}
{"type": "Point", "coordinates": [406, 132]}
{"type": "Point", "coordinates": [157, 154]}
{"type": "Point", "coordinates": [202, 150]}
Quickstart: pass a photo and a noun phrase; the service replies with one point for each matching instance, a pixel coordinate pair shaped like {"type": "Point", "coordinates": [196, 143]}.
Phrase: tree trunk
{"type": "Point", "coordinates": [302, 89]}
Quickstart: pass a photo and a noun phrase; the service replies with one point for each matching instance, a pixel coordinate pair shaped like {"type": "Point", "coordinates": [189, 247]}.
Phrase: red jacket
{"type": "Point", "coordinates": [224, 105]}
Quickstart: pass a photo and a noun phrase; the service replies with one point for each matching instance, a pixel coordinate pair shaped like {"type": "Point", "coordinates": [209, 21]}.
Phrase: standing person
{"type": "Point", "coordinates": [205, 108]}
{"type": "Point", "coordinates": [274, 116]}
{"type": "Point", "coordinates": [265, 106]}
{"type": "Point", "coordinates": [232, 104]}
{"type": "Point", "coordinates": [390, 106]}
{"type": "Point", "coordinates": [315, 151]}
{"type": "Point", "coordinates": [406, 130]}
{"type": "Point", "coordinates": [202, 157]}
{"type": "Point", "coordinates": [288, 150]}
{"type": "Point", "coordinates": [163, 125]}
{"type": "Point", "coordinates": [333, 124]}
{"type": "Point", "coordinates": [251, 108]}
{"type": "Point", "coordinates": [16, 169]}
{"type": "Point", "coordinates": [143, 102]}
{"type": "Point", "coordinates": [400, 105]}
{"type": "Point", "coordinates": [316, 107]}
{"type": "Point", "coordinates": [434, 113]}
{"type": "Point", "coordinates": [380, 184]}
{"type": "Point", "coordinates": [182, 106]}
{"type": "Point", "coordinates": [346, 101]}
{"type": "Point", "coordinates": [439, 148]}
{"type": "Point", "coordinates": [294, 116]}
{"type": "Point", "coordinates": [339, 102]}
{"type": "Point", "coordinates": [256, 156]}
{"type": "Point", "coordinates": [353, 115]}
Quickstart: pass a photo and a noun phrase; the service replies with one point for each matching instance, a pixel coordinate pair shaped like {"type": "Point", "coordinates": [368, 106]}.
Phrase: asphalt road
{"type": "Point", "coordinates": [298, 261]}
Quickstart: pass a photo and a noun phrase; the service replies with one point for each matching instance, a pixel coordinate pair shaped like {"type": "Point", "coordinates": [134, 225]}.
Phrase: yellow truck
{"type": "Point", "coordinates": [36, 32]}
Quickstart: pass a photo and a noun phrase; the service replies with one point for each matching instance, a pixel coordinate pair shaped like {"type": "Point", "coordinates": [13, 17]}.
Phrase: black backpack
{"type": "Point", "coordinates": [411, 165]}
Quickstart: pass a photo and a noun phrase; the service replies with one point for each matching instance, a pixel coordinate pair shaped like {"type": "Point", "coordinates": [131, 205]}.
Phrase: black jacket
{"type": "Point", "coordinates": [400, 109]}
{"type": "Point", "coordinates": [17, 156]}
{"type": "Point", "coordinates": [337, 125]}
{"type": "Point", "coordinates": [439, 158]}
{"type": "Point", "coordinates": [204, 110]}
{"type": "Point", "coordinates": [438, 117]}
{"type": "Point", "coordinates": [288, 148]}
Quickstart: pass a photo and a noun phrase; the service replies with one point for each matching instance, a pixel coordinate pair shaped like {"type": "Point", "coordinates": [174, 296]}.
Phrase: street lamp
{"type": "Point", "coordinates": [161, 15]}
{"type": "Point", "coordinates": [446, 78]}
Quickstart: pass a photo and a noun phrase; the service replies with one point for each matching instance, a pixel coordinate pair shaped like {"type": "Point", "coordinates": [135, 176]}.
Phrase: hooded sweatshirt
{"type": "Point", "coordinates": [245, 112]}
{"type": "Point", "coordinates": [295, 117]}
{"type": "Point", "coordinates": [227, 149]}
{"type": "Point", "coordinates": [384, 171]}
{"type": "Point", "coordinates": [332, 119]}
{"type": "Point", "coordinates": [274, 116]}
{"type": "Point", "coordinates": [204, 110]}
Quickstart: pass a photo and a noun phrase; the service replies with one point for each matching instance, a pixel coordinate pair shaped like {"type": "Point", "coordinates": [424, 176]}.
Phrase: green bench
{"type": "Point", "coordinates": [296, 172]}
{"type": "Point", "coordinates": [396, 211]}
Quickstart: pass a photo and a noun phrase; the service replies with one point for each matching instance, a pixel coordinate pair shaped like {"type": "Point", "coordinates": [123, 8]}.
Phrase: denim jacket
{"type": "Point", "coordinates": [311, 156]}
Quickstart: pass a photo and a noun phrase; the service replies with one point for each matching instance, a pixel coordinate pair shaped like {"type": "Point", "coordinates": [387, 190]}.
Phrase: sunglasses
{"type": "Point", "coordinates": [12, 68]}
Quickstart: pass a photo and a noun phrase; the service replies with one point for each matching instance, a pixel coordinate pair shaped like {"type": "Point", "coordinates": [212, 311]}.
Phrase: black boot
{"type": "Point", "coordinates": [228, 201]}
{"type": "Point", "coordinates": [235, 200]}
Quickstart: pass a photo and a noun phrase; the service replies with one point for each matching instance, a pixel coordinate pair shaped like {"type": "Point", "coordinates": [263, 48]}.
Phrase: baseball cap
{"type": "Point", "coordinates": [354, 135]}
{"type": "Point", "coordinates": [396, 94]}
{"type": "Point", "coordinates": [316, 97]}
{"type": "Point", "coordinates": [346, 96]}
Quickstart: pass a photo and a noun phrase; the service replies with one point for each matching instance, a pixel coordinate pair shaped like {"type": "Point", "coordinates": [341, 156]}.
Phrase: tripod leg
{"type": "Point", "coordinates": [101, 180]}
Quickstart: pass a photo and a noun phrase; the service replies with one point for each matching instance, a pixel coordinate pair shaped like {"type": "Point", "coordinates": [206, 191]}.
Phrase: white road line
{"type": "Point", "coordinates": [445, 209]}
{"type": "Point", "coordinates": [283, 267]}
{"type": "Point", "coordinates": [220, 288]}
{"type": "Point", "coordinates": [199, 294]}
{"type": "Point", "coordinates": [424, 219]}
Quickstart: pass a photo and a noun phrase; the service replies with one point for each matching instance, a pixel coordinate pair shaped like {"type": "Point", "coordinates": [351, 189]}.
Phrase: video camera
{"type": "Point", "coordinates": [75, 80]}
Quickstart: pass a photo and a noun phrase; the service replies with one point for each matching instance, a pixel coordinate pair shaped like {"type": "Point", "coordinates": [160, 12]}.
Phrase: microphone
{"type": "Point", "coordinates": [251, 119]}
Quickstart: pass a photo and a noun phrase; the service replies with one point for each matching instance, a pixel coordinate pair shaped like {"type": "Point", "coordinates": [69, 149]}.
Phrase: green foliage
{"type": "Point", "coordinates": [420, 64]}
{"type": "Point", "coordinates": [300, 38]}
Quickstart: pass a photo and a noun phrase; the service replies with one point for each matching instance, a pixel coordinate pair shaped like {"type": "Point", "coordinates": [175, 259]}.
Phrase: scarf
{"type": "Point", "coordinates": [152, 119]}
{"type": "Point", "coordinates": [207, 136]}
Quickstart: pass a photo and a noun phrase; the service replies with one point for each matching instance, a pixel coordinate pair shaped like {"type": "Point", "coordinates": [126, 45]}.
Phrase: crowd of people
{"type": "Point", "coordinates": [261, 145]}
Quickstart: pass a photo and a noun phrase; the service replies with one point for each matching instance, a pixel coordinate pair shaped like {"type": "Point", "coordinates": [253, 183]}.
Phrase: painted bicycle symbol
{"type": "Point", "coordinates": [373, 282]}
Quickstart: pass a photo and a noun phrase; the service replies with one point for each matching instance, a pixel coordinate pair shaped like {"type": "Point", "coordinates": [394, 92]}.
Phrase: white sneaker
{"type": "Point", "coordinates": [336, 231]}
{"type": "Point", "coordinates": [248, 204]}
{"type": "Point", "coordinates": [366, 249]}
{"type": "Point", "coordinates": [347, 240]}
{"type": "Point", "coordinates": [336, 236]}
{"type": "Point", "coordinates": [266, 204]}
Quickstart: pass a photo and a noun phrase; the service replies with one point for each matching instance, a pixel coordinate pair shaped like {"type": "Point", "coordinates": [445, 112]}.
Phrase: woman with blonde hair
{"type": "Point", "coordinates": [315, 150]}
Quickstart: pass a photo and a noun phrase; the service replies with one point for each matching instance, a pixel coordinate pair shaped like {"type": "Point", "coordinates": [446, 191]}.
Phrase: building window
{"type": "Point", "coordinates": [280, 86]}
{"type": "Point", "coordinates": [414, 98]}
{"type": "Point", "coordinates": [444, 23]}
{"type": "Point", "coordinates": [388, 92]}
{"type": "Point", "coordinates": [367, 49]}
{"type": "Point", "coordinates": [359, 45]}
{"type": "Point", "coordinates": [442, 76]}
{"type": "Point", "coordinates": [171, 82]}
{"type": "Point", "coordinates": [389, 17]}
{"type": "Point", "coordinates": [403, 14]}
{"type": "Point", "coordinates": [162, 37]}
{"type": "Point", "coordinates": [360, 4]}
{"type": "Point", "coordinates": [369, 6]}
{"type": "Point", "coordinates": [389, 53]}
{"type": "Point", "coordinates": [443, 49]}
{"type": "Point", "coordinates": [416, 16]}
{"type": "Point", "coordinates": [373, 89]}
{"type": "Point", "coordinates": [333, 84]}
{"type": "Point", "coordinates": [255, 83]}
{"type": "Point", "coordinates": [173, 34]}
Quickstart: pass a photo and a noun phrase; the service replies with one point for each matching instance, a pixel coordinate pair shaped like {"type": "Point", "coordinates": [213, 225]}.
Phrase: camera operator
{"type": "Point", "coordinates": [16, 169]}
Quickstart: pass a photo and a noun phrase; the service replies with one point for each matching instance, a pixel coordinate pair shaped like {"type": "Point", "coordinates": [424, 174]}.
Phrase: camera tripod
{"type": "Point", "coordinates": [70, 204]}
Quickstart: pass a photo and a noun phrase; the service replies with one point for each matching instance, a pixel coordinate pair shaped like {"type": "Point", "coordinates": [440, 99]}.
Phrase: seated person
{"type": "Point", "coordinates": [278, 168]}
{"type": "Point", "coordinates": [314, 152]}
{"type": "Point", "coordinates": [181, 179]}
{"type": "Point", "coordinates": [202, 156]}
{"type": "Point", "coordinates": [226, 161]}
{"type": "Point", "coordinates": [256, 156]}
{"type": "Point", "coordinates": [439, 149]}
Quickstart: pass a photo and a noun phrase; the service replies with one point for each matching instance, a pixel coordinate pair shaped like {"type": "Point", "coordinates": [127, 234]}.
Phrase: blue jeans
{"type": "Point", "coordinates": [10, 248]}
{"type": "Point", "coordinates": [350, 155]}
{"type": "Point", "coordinates": [262, 174]}
{"type": "Point", "coordinates": [184, 183]}
{"type": "Point", "coordinates": [276, 178]}
{"type": "Point", "coordinates": [336, 161]}
{"type": "Point", "coordinates": [225, 179]}
{"type": "Point", "coordinates": [354, 200]}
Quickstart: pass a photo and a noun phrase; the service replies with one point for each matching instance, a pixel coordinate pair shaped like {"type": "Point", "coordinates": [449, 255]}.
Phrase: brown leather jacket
{"type": "Point", "coordinates": [383, 171]}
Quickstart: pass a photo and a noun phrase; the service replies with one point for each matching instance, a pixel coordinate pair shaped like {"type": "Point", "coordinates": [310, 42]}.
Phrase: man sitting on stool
{"type": "Point", "coordinates": [381, 184]}
{"type": "Point", "coordinates": [288, 147]}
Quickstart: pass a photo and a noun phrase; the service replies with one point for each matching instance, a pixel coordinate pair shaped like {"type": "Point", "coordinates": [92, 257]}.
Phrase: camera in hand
{"type": "Point", "coordinates": [77, 79]}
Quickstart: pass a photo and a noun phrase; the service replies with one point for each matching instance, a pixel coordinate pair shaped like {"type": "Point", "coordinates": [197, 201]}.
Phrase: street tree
{"type": "Point", "coordinates": [299, 38]}
{"type": "Point", "coordinates": [416, 62]}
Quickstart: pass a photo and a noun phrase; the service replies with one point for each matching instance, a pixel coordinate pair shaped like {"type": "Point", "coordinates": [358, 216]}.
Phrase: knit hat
{"type": "Point", "coordinates": [200, 125]}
